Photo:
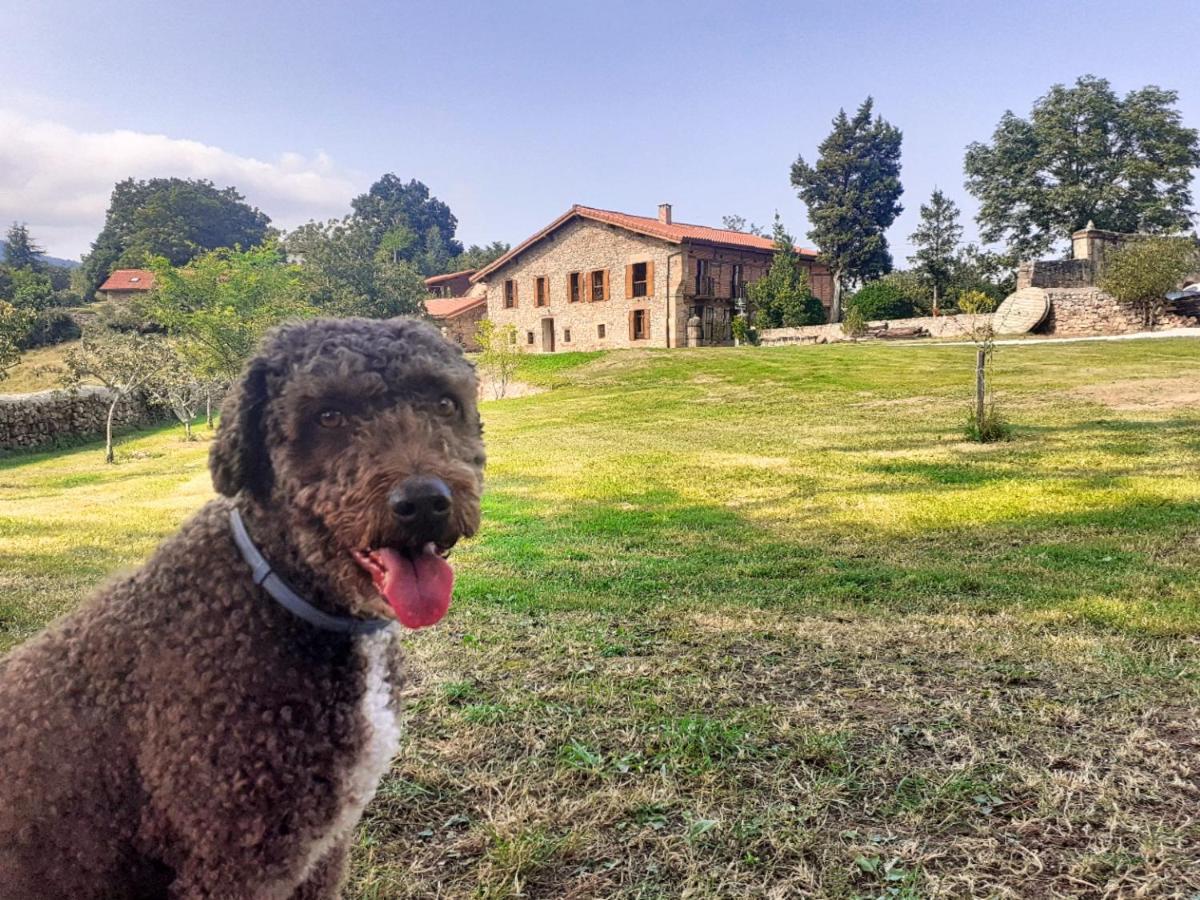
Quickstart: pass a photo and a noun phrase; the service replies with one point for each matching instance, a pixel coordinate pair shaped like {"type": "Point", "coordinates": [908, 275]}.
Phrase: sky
{"type": "Point", "coordinates": [511, 112]}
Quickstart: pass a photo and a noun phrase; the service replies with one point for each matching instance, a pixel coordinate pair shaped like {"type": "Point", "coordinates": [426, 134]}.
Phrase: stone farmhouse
{"type": "Point", "coordinates": [596, 279]}
{"type": "Point", "coordinates": [124, 283]}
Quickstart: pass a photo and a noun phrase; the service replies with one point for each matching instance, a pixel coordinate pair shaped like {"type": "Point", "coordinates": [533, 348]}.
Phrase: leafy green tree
{"type": "Point", "coordinates": [218, 306]}
{"type": "Point", "coordinates": [881, 299]}
{"type": "Point", "coordinates": [853, 196]}
{"type": "Point", "coordinates": [1125, 163]}
{"type": "Point", "coordinates": [20, 251]}
{"type": "Point", "coordinates": [781, 298]}
{"type": "Point", "coordinates": [1144, 270]}
{"type": "Point", "coordinates": [14, 325]}
{"type": "Point", "coordinates": [936, 241]}
{"type": "Point", "coordinates": [910, 285]}
{"type": "Point", "coordinates": [476, 257]}
{"type": "Point", "coordinates": [347, 275]}
{"type": "Point", "coordinates": [32, 289]}
{"type": "Point", "coordinates": [124, 362]}
{"type": "Point", "coordinates": [174, 218]}
{"type": "Point", "coordinates": [390, 203]}
{"type": "Point", "coordinates": [499, 354]}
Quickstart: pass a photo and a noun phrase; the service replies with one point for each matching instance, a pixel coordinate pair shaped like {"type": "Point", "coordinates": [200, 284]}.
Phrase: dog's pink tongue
{"type": "Point", "coordinates": [417, 590]}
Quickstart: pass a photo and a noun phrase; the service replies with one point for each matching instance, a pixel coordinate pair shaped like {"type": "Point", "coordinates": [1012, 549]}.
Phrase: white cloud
{"type": "Point", "coordinates": [59, 180]}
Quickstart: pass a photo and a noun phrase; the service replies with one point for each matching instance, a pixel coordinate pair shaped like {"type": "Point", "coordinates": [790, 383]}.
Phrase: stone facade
{"type": "Point", "coordinates": [50, 418]}
{"type": "Point", "coordinates": [461, 327]}
{"type": "Point", "coordinates": [697, 282]}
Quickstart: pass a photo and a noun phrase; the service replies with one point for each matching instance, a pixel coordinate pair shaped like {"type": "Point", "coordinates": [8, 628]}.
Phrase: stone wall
{"type": "Point", "coordinates": [1085, 311]}
{"type": "Point", "coordinates": [461, 328]}
{"type": "Point", "coordinates": [1055, 273]}
{"type": "Point", "coordinates": [50, 418]}
{"type": "Point", "coordinates": [936, 326]}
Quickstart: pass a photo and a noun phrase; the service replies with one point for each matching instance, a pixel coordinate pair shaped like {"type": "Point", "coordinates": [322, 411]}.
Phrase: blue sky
{"type": "Point", "coordinates": [512, 112]}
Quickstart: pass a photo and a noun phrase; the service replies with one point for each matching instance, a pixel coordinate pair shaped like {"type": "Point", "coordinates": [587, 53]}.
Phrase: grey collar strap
{"type": "Point", "coordinates": [283, 594]}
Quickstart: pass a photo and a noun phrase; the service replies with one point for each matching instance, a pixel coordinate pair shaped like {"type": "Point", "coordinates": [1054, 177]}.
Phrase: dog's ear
{"type": "Point", "coordinates": [239, 459]}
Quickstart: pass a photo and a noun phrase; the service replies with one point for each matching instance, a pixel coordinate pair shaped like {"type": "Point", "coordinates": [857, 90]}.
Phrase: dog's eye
{"type": "Point", "coordinates": [331, 418]}
{"type": "Point", "coordinates": [447, 406]}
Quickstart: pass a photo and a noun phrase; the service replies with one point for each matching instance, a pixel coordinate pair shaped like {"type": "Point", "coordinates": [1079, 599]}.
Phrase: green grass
{"type": "Point", "coordinates": [39, 370]}
{"type": "Point", "coordinates": [761, 623]}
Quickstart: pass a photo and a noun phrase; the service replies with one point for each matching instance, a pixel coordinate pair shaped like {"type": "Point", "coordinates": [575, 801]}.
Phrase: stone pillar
{"type": "Point", "coordinates": [693, 331]}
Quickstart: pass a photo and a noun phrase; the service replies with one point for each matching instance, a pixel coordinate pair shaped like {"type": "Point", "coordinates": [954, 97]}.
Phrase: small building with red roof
{"type": "Point", "coordinates": [453, 310]}
{"type": "Point", "coordinates": [126, 283]}
{"type": "Point", "coordinates": [595, 279]}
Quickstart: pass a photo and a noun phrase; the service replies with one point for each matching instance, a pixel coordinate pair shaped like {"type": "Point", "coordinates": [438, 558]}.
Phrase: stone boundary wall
{"type": "Point", "coordinates": [936, 326]}
{"type": "Point", "coordinates": [49, 418]}
{"type": "Point", "coordinates": [1086, 311]}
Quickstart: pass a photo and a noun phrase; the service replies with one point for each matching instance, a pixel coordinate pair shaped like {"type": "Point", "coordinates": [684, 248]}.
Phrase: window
{"type": "Point", "coordinates": [541, 291]}
{"type": "Point", "coordinates": [600, 331]}
{"type": "Point", "coordinates": [639, 280]}
{"type": "Point", "coordinates": [512, 337]}
{"type": "Point", "coordinates": [738, 283]}
{"type": "Point", "coordinates": [510, 294]}
{"type": "Point", "coordinates": [529, 337]}
{"type": "Point", "coordinates": [566, 335]}
{"type": "Point", "coordinates": [703, 281]}
{"type": "Point", "coordinates": [639, 325]}
{"type": "Point", "coordinates": [574, 287]}
{"type": "Point", "coordinates": [599, 283]}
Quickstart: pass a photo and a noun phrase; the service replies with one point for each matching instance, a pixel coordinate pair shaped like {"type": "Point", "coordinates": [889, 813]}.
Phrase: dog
{"type": "Point", "coordinates": [213, 725]}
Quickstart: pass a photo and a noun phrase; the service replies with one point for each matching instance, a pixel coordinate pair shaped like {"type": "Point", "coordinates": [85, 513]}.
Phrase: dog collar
{"type": "Point", "coordinates": [283, 594]}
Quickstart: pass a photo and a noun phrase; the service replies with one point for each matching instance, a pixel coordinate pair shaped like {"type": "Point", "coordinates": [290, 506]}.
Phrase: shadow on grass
{"type": "Point", "coordinates": [655, 550]}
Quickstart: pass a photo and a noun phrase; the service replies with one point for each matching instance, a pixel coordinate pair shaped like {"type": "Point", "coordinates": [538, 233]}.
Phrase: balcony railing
{"type": "Point", "coordinates": [706, 286]}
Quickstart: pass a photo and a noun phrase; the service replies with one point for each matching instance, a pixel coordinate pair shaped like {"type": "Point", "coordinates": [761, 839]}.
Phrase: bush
{"type": "Point", "coordinates": [853, 323]}
{"type": "Point", "coordinates": [50, 326]}
{"type": "Point", "coordinates": [742, 332]}
{"type": "Point", "coordinates": [992, 428]}
{"type": "Point", "coordinates": [881, 299]}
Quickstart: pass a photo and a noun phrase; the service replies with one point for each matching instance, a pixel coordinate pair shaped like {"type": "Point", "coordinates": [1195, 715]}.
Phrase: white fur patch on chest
{"type": "Point", "coordinates": [382, 737]}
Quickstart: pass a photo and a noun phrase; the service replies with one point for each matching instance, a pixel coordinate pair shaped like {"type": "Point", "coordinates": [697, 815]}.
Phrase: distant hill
{"type": "Point", "coordinates": [49, 260]}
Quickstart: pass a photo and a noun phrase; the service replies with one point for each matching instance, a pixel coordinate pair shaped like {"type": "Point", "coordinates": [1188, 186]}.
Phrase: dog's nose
{"type": "Point", "coordinates": [421, 499]}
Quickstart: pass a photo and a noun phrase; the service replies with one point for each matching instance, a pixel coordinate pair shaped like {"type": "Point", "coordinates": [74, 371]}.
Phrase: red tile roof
{"type": "Point", "coordinates": [449, 307]}
{"type": "Point", "coordinates": [676, 233]}
{"type": "Point", "coordinates": [438, 279]}
{"type": "Point", "coordinates": [129, 280]}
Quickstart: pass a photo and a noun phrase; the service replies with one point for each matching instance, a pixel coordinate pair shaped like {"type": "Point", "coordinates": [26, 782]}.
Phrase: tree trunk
{"type": "Point", "coordinates": [108, 444]}
{"type": "Point", "coordinates": [935, 299]}
{"type": "Point", "coordinates": [208, 407]}
{"type": "Point", "coordinates": [835, 309]}
{"type": "Point", "coordinates": [980, 388]}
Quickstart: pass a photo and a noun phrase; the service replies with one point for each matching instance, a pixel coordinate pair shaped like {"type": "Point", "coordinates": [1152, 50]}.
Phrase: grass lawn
{"type": "Point", "coordinates": [758, 623]}
{"type": "Point", "coordinates": [39, 370]}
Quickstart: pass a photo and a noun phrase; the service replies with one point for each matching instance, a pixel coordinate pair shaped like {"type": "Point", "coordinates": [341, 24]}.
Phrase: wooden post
{"type": "Point", "coordinates": [980, 387]}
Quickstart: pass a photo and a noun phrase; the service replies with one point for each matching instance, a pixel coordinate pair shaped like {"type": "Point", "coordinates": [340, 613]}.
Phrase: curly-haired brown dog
{"type": "Point", "coordinates": [184, 734]}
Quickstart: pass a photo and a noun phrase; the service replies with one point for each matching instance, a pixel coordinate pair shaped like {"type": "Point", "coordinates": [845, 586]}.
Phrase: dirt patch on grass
{"type": "Point", "coordinates": [1146, 394]}
{"type": "Point", "coordinates": [514, 389]}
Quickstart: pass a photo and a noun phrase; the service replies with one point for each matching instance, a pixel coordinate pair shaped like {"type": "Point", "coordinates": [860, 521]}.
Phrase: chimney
{"type": "Point", "coordinates": [664, 213]}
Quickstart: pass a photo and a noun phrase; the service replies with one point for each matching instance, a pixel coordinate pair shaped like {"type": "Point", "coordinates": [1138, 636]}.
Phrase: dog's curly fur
{"type": "Point", "coordinates": [181, 734]}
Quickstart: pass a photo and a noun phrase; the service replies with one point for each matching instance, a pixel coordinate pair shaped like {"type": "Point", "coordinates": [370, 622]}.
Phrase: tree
{"type": "Point", "coordinates": [881, 299]}
{"type": "Point", "coordinates": [20, 251]}
{"type": "Point", "coordinates": [124, 362]}
{"type": "Point", "coordinates": [174, 218]}
{"type": "Point", "coordinates": [936, 241]}
{"type": "Point", "coordinates": [219, 305]}
{"type": "Point", "coordinates": [853, 196]}
{"type": "Point", "coordinates": [988, 272]}
{"type": "Point", "coordinates": [739, 223]}
{"type": "Point", "coordinates": [985, 424]}
{"type": "Point", "coordinates": [390, 204]}
{"type": "Point", "coordinates": [499, 354]}
{"type": "Point", "coordinates": [178, 388]}
{"type": "Point", "coordinates": [1141, 272]}
{"type": "Point", "coordinates": [1084, 154]}
{"type": "Point", "coordinates": [781, 298]}
{"type": "Point", "coordinates": [14, 325]}
{"type": "Point", "coordinates": [476, 257]}
{"type": "Point", "coordinates": [346, 274]}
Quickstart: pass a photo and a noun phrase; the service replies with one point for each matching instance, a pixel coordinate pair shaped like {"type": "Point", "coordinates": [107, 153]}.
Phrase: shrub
{"type": "Point", "coordinates": [881, 299]}
{"type": "Point", "coordinates": [50, 326]}
{"type": "Point", "coordinates": [992, 427]}
{"type": "Point", "coordinates": [1141, 272]}
{"type": "Point", "coordinates": [853, 323]}
{"type": "Point", "coordinates": [742, 332]}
